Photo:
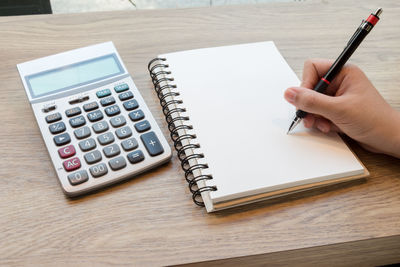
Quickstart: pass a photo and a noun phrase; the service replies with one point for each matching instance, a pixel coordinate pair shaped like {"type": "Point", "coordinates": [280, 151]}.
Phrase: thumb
{"type": "Point", "coordinates": [311, 101]}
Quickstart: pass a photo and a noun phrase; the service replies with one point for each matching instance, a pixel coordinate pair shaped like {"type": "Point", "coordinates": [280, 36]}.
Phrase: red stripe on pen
{"type": "Point", "coordinates": [372, 19]}
{"type": "Point", "coordinates": [326, 81]}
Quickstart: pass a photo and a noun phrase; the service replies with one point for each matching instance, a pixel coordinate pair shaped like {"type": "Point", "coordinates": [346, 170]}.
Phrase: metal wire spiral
{"type": "Point", "coordinates": [173, 110]}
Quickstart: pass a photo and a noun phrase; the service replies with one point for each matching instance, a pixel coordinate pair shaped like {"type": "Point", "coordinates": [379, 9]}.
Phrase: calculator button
{"type": "Point", "coordinates": [142, 126]}
{"type": "Point", "coordinates": [92, 157]}
{"type": "Point", "coordinates": [107, 101]}
{"type": "Point", "coordinates": [129, 144]}
{"type": "Point", "coordinates": [90, 106]}
{"type": "Point", "coordinates": [136, 115]}
{"type": "Point", "coordinates": [66, 152]}
{"type": "Point", "coordinates": [78, 177]}
{"type": "Point", "coordinates": [98, 170]}
{"type": "Point", "coordinates": [77, 121]}
{"type": "Point", "coordinates": [62, 139]}
{"type": "Point", "coordinates": [121, 87]}
{"type": "Point", "coordinates": [100, 127]}
{"type": "Point", "coordinates": [95, 115]}
{"type": "Point", "coordinates": [87, 144]}
{"type": "Point", "coordinates": [106, 138]}
{"type": "Point", "coordinates": [118, 121]}
{"type": "Point", "coordinates": [82, 132]}
{"type": "Point", "coordinates": [56, 128]}
{"type": "Point", "coordinates": [152, 144]}
{"type": "Point", "coordinates": [123, 132]}
{"type": "Point", "coordinates": [112, 111]}
{"type": "Point", "coordinates": [53, 117]}
{"type": "Point", "coordinates": [111, 151]}
{"type": "Point", "coordinates": [117, 163]}
{"type": "Point", "coordinates": [73, 111]}
{"type": "Point", "coordinates": [125, 96]}
{"type": "Point", "coordinates": [103, 93]}
{"type": "Point", "coordinates": [135, 156]}
{"type": "Point", "coordinates": [72, 164]}
{"type": "Point", "coordinates": [131, 104]}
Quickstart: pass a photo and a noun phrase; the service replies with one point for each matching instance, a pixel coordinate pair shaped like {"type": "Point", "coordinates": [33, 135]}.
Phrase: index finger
{"type": "Point", "coordinates": [315, 69]}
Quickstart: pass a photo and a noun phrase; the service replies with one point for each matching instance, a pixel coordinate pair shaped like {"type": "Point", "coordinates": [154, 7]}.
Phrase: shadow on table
{"type": "Point", "coordinates": [24, 7]}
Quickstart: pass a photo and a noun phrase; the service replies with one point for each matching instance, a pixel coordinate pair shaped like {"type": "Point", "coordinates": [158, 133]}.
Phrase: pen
{"type": "Point", "coordinates": [361, 32]}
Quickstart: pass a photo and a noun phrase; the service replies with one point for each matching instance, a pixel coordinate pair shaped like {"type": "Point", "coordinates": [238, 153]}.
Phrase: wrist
{"type": "Point", "coordinates": [393, 148]}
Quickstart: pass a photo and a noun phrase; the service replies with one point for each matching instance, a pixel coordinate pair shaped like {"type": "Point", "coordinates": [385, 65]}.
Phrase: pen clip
{"type": "Point", "coordinates": [355, 33]}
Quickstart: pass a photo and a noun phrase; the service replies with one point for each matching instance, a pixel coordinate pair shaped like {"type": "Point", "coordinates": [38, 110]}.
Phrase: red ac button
{"type": "Point", "coordinates": [66, 152]}
{"type": "Point", "coordinates": [72, 164]}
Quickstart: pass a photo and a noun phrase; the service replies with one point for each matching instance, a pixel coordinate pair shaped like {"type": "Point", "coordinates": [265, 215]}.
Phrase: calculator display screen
{"type": "Point", "coordinates": [74, 75]}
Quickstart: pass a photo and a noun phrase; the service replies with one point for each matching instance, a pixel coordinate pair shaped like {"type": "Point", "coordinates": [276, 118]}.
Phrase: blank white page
{"type": "Point", "coordinates": [234, 97]}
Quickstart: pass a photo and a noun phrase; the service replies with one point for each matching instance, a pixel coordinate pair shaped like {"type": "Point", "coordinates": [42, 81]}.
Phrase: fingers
{"type": "Point", "coordinates": [315, 69]}
{"type": "Point", "coordinates": [312, 102]}
{"type": "Point", "coordinates": [322, 124]}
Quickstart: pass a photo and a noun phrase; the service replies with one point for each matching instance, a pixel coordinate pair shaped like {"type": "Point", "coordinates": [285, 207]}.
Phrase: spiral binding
{"type": "Point", "coordinates": [173, 107]}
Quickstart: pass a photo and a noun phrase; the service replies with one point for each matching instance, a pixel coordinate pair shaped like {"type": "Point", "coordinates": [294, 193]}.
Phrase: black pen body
{"type": "Point", "coordinates": [356, 39]}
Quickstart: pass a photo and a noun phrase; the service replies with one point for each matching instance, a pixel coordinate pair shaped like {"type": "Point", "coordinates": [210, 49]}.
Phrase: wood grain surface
{"type": "Point", "coordinates": [151, 220]}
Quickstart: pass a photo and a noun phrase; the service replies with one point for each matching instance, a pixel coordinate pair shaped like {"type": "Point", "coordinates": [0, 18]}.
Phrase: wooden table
{"type": "Point", "coordinates": [151, 220]}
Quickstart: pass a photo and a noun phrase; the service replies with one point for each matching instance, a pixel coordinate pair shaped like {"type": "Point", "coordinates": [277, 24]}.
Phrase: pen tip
{"type": "Point", "coordinates": [290, 127]}
{"type": "Point", "coordinates": [294, 123]}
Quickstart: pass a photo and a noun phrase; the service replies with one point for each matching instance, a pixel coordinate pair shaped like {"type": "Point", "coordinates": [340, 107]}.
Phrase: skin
{"type": "Point", "coordinates": [352, 106]}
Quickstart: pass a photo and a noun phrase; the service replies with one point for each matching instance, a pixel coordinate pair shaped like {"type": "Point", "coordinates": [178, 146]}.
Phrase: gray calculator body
{"type": "Point", "coordinates": [96, 126]}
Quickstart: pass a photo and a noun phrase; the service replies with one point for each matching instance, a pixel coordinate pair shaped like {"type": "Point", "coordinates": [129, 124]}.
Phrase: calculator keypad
{"type": "Point", "coordinates": [103, 93]}
{"type": "Point", "coordinates": [100, 127]}
{"type": "Point", "coordinates": [110, 133]}
{"type": "Point", "coordinates": [142, 126]}
{"type": "Point", "coordinates": [121, 87]}
{"type": "Point", "coordinates": [129, 144]}
{"type": "Point", "coordinates": [58, 127]}
{"type": "Point", "coordinates": [112, 111]}
{"type": "Point", "coordinates": [106, 138]}
{"type": "Point", "coordinates": [87, 144]}
{"type": "Point", "coordinates": [66, 152]}
{"type": "Point", "coordinates": [92, 157]}
{"type": "Point", "coordinates": [62, 139]}
{"type": "Point", "coordinates": [73, 111]}
{"type": "Point", "coordinates": [53, 117]}
{"type": "Point", "coordinates": [123, 132]}
{"type": "Point", "coordinates": [78, 177]}
{"type": "Point", "coordinates": [136, 115]}
{"type": "Point", "coordinates": [111, 151]}
{"type": "Point", "coordinates": [152, 143]}
{"type": "Point", "coordinates": [82, 132]}
{"type": "Point", "coordinates": [95, 115]}
{"type": "Point", "coordinates": [125, 96]}
{"type": "Point", "coordinates": [98, 170]}
{"type": "Point", "coordinates": [72, 164]}
{"type": "Point", "coordinates": [77, 121]}
{"type": "Point", "coordinates": [118, 121]}
{"type": "Point", "coordinates": [107, 101]}
{"type": "Point", "coordinates": [117, 163]}
{"type": "Point", "coordinates": [135, 157]}
{"type": "Point", "coordinates": [90, 106]}
{"type": "Point", "coordinates": [131, 104]}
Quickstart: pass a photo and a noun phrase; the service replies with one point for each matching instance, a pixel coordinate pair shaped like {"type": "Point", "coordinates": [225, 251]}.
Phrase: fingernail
{"type": "Point", "coordinates": [323, 127]}
{"type": "Point", "coordinates": [290, 95]}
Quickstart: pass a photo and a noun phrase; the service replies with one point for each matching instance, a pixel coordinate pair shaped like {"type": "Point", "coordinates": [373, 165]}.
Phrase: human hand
{"type": "Point", "coordinates": [352, 105]}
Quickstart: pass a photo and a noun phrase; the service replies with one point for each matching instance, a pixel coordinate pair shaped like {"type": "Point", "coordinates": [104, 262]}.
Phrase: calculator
{"type": "Point", "coordinates": [96, 126]}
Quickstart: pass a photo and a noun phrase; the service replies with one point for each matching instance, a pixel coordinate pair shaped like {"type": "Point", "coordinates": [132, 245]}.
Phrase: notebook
{"type": "Point", "coordinates": [228, 120]}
